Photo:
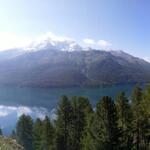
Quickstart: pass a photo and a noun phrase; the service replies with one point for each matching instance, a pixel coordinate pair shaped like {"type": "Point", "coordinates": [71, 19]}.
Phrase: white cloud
{"type": "Point", "coordinates": [23, 110]}
{"type": "Point", "coordinates": [40, 112]}
{"type": "Point", "coordinates": [12, 40]}
{"type": "Point", "coordinates": [3, 113]}
{"type": "Point", "coordinates": [6, 110]}
{"type": "Point", "coordinates": [37, 112]}
{"type": "Point", "coordinates": [53, 114]}
{"type": "Point", "coordinates": [103, 43]}
{"type": "Point", "coordinates": [54, 41]}
{"type": "Point", "coordinates": [54, 37]}
{"type": "Point", "coordinates": [96, 44]}
{"type": "Point", "coordinates": [89, 41]}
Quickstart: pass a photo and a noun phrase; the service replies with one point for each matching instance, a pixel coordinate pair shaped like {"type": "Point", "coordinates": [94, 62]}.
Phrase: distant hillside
{"type": "Point", "coordinates": [54, 68]}
{"type": "Point", "coordinates": [9, 144]}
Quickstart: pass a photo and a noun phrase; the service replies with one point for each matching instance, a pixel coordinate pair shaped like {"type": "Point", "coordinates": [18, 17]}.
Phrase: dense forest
{"type": "Point", "coordinates": [120, 124]}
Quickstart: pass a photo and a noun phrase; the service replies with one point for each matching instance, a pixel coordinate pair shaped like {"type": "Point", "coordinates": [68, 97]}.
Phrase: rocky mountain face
{"type": "Point", "coordinates": [51, 67]}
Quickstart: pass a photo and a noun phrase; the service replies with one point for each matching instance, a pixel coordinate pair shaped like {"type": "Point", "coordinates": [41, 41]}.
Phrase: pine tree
{"type": "Point", "coordinates": [47, 134]}
{"type": "Point", "coordinates": [13, 134]}
{"type": "Point", "coordinates": [37, 134]}
{"type": "Point", "coordinates": [105, 131]}
{"type": "Point", "coordinates": [88, 139]}
{"type": "Point", "coordinates": [24, 132]}
{"type": "Point", "coordinates": [124, 121]}
{"type": "Point", "coordinates": [145, 106]}
{"type": "Point", "coordinates": [146, 101]}
{"type": "Point", "coordinates": [1, 133]}
{"type": "Point", "coordinates": [138, 120]}
{"type": "Point", "coordinates": [81, 109]}
{"type": "Point", "coordinates": [63, 124]}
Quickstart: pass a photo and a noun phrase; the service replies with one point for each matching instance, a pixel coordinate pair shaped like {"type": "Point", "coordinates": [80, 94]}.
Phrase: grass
{"type": "Point", "coordinates": [9, 144]}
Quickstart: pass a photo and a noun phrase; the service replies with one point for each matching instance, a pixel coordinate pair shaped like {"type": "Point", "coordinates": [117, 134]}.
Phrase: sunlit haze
{"type": "Point", "coordinates": [101, 24]}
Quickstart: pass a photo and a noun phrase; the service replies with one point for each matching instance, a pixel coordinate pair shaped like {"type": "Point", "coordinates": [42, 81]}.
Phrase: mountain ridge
{"type": "Point", "coordinates": [55, 68]}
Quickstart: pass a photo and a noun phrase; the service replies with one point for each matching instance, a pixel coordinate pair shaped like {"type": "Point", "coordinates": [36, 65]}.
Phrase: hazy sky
{"type": "Point", "coordinates": [118, 24]}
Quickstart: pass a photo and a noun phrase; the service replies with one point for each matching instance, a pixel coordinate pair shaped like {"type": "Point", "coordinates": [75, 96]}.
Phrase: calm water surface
{"type": "Point", "coordinates": [39, 102]}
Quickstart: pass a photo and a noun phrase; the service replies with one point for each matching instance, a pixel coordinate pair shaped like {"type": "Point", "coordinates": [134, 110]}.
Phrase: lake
{"type": "Point", "coordinates": [39, 102]}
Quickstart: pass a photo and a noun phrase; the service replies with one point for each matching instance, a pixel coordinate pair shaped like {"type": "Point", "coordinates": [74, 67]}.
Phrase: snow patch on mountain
{"type": "Point", "coordinates": [54, 42]}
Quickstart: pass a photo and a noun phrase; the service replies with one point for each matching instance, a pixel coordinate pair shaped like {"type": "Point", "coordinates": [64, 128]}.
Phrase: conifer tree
{"type": "Point", "coordinates": [81, 110]}
{"type": "Point", "coordinates": [146, 101]}
{"type": "Point", "coordinates": [145, 104]}
{"type": "Point", "coordinates": [124, 121]}
{"type": "Point", "coordinates": [24, 132]}
{"type": "Point", "coordinates": [37, 134]}
{"type": "Point", "coordinates": [13, 134]}
{"type": "Point", "coordinates": [47, 134]}
{"type": "Point", "coordinates": [88, 140]}
{"type": "Point", "coordinates": [1, 133]}
{"type": "Point", "coordinates": [138, 119]}
{"type": "Point", "coordinates": [105, 131]}
{"type": "Point", "coordinates": [63, 124]}
{"type": "Point", "coordinates": [111, 126]}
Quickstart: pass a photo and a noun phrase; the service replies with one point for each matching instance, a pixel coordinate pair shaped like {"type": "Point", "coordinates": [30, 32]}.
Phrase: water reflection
{"type": "Point", "coordinates": [10, 114]}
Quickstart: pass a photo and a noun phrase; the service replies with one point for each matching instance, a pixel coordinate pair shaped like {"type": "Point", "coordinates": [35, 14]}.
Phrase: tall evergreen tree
{"type": "Point", "coordinates": [111, 126]}
{"type": "Point", "coordinates": [24, 132]}
{"type": "Point", "coordinates": [13, 134]}
{"type": "Point", "coordinates": [63, 124]}
{"type": "Point", "coordinates": [81, 109]}
{"type": "Point", "coordinates": [145, 104]}
{"type": "Point", "coordinates": [146, 101]}
{"type": "Point", "coordinates": [88, 140]}
{"type": "Point", "coordinates": [138, 120]}
{"type": "Point", "coordinates": [37, 134]}
{"type": "Point", "coordinates": [47, 134]}
{"type": "Point", "coordinates": [124, 121]}
{"type": "Point", "coordinates": [105, 130]}
{"type": "Point", "coordinates": [1, 133]}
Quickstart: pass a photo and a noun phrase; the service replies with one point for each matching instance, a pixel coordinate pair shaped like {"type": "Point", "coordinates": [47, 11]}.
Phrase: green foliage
{"type": "Point", "coordinates": [47, 134]}
{"type": "Point", "coordinates": [102, 130]}
{"type": "Point", "coordinates": [146, 101]}
{"type": "Point", "coordinates": [124, 121]}
{"type": "Point", "coordinates": [1, 133]}
{"type": "Point", "coordinates": [63, 124]}
{"type": "Point", "coordinates": [9, 144]}
{"type": "Point", "coordinates": [140, 121]}
{"type": "Point", "coordinates": [24, 132]}
{"type": "Point", "coordinates": [88, 140]}
{"type": "Point", "coordinates": [81, 109]}
{"type": "Point", "coordinates": [145, 106]}
{"type": "Point", "coordinates": [37, 134]}
{"type": "Point", "coordinates": [106, 125]}
{"type": "Point", "coordinates": [119, 125]}
{"type": "Point", "coordinates": [13, 134]}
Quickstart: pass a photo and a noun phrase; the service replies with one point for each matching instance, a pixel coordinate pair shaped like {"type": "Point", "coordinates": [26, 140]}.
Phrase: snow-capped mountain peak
{"type": "Point", "coordinates": [53, 42]}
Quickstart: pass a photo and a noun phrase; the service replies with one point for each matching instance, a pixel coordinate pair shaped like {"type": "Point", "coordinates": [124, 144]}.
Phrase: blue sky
{"type": "Point", "coordinates": [121, 24]}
